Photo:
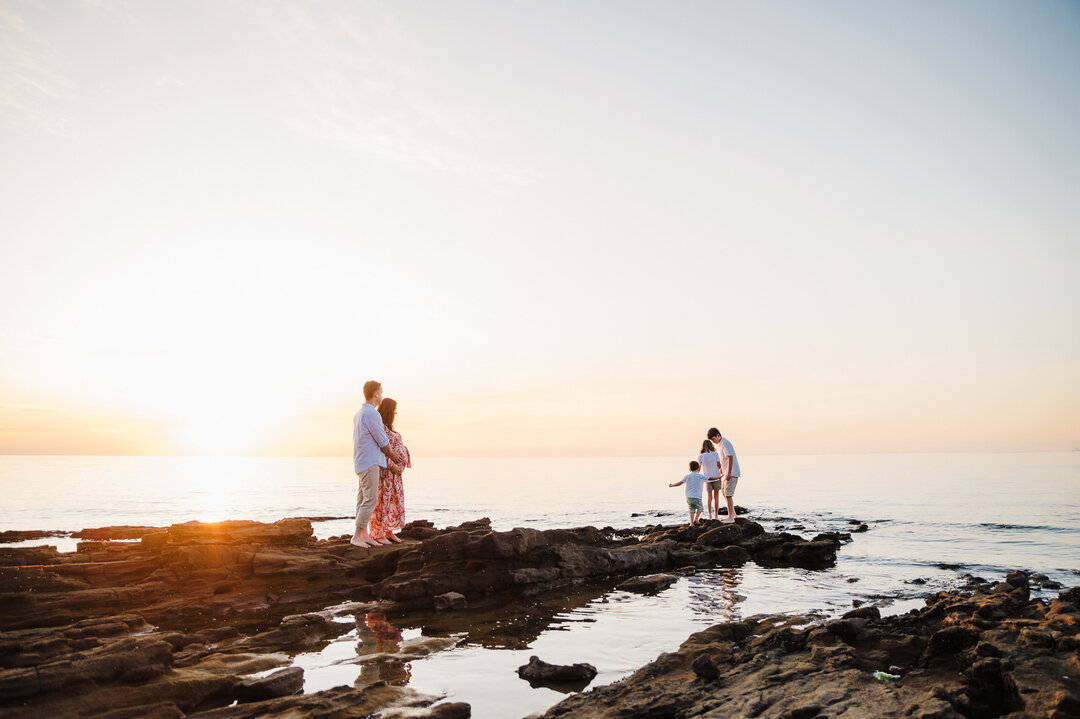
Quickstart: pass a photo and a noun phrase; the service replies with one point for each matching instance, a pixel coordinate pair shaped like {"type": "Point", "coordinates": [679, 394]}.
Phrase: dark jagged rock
{"type": "Point", "coordinates": [974, 655]}
{"type": "Point", "coordinates": [178, 620]}
{"type": "Point", "coordinates": [648, 584]}
{"type": "Point", "coordinates": [342, 703]}
{"type": "Point", "coordinates": [1017, 579]}
{"type": "Point", "coordinates": [279, 684]}
{"type": "Point", "coordinates": [16, 535]}
{"type": "Point", "coordinates": [27, 556]}
{"type": "Point", "coordinates": [450, 600]}
{"type": "Point", "coordinates": [705, 668]}
{"type": "Point", "coordinates": [450, 710]}
{"type": "Point", "coordinates": [538, 671]}
{"type": "Point", "coordinates": [846, 628]}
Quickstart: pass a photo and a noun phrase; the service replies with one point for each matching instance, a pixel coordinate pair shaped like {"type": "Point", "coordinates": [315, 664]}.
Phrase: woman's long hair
{"type": "Point", "coordinates": [706, 446]}
{"type": "Point", "coordinates": [388, 408]}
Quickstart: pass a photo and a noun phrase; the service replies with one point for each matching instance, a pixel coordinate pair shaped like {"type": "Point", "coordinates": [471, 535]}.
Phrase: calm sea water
{"type": "Point", "coordinates": [932, 518]}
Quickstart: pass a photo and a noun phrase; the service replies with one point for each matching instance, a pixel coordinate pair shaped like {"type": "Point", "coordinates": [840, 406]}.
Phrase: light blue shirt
{"type": "Point", "coordinates": [694, 482]}
{"type": "Point", "coordinates": [368, 439]}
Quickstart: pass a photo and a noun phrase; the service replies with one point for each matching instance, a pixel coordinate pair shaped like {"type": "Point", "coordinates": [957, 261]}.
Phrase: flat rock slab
{"type": "Point", "coordinates": [648, 584]}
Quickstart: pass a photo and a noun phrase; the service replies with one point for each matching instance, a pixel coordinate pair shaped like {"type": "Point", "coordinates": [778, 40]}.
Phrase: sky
{"type": "Point", "coordinates": [548, 228]}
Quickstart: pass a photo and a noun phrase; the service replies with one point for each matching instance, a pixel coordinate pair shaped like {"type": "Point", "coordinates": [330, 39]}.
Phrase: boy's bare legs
{"type": "Point", "coordinates": [730, 509]}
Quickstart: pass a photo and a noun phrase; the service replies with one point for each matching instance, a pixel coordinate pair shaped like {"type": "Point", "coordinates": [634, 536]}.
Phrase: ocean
{"type": "Point", "coordinates": [931, 519]}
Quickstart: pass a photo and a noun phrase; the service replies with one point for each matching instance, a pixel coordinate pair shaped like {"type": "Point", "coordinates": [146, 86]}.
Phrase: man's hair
{"type": "Point", "coordinates": [370, 388]}
{"type": "Point", "coordinates": [694, 466]}
{"type": "Point", "coordinates": [713, 432]}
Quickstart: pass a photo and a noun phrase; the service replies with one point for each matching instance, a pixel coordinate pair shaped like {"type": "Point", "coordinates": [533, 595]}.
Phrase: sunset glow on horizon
{"type": "Point", "coordinates": [549, 229]}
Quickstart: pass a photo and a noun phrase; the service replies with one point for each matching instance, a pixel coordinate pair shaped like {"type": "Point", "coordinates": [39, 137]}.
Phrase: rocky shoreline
{"type": "Point", "coordinates": [989, 651]}
{"type": "Point", "coordinates": [203, 619]}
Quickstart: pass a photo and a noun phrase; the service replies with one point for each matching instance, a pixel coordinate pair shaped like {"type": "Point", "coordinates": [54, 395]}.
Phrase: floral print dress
{"type": "Point", "coordinates": [389, 514]}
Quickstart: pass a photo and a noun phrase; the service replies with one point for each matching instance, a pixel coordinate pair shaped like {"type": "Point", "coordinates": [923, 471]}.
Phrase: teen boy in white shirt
{"type": "Point", "coordinates": [729, 471]}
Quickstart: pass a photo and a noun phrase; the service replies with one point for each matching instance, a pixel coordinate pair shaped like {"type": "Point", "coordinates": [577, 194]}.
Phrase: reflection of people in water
{"type": "Point", "coordinates": [378, 636]}
{"type": "Point", "coordinates": [714, 594]}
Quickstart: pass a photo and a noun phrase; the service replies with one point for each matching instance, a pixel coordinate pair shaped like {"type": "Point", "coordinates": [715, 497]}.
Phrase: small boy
{"type": "Point", "coordinates": [694, 482]}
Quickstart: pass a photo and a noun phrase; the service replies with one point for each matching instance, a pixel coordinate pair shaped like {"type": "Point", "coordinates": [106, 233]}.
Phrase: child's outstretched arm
{"type": "Point", "coordinates": [676, 484]}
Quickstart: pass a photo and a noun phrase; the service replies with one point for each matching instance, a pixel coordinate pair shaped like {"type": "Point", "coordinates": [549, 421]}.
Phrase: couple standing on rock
{"type": "Point", "coordinates": [379, 458]}
{"type": "Point", "coordinates": [715, 471]}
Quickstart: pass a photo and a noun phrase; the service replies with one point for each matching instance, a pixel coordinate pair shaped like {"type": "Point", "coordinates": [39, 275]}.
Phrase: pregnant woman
{"type": "Point", "coordinates": [389, 514]}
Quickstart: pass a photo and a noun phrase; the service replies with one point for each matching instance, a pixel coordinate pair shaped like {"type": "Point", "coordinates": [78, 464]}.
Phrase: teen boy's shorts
{"type": "Point", "coordinates": [729, 486]}
{"type": "Point", "coordinates": [695, 504]}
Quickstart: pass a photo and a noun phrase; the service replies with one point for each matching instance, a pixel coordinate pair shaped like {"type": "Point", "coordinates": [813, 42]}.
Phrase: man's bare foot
{"type": "Point", "coordinates": [357, 542]}
{"type": "Point", "coordinates": [727, 520]}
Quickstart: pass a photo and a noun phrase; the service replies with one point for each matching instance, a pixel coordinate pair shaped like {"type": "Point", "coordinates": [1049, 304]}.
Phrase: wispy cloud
{"type": "Point", "coordinates": [354, 77]}
{"type": "Point", "coordinates": [32, 86]}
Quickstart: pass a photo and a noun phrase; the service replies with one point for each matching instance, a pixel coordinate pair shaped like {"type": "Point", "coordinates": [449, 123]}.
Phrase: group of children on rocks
{"type": "Point", "coordinates": [713, 471]}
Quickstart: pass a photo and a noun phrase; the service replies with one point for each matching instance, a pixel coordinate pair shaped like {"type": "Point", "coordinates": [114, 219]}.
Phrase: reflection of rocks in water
{"type": "Point", "coordinates": [497, 624]}
{"type": "Point", "coordinates": [713, 594]}
{"type": "Point", "coordinates": [379, 637]}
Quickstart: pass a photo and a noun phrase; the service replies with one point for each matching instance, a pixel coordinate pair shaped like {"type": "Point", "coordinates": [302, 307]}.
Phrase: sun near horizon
{"type": "Point", "coordinates": [556, 231]}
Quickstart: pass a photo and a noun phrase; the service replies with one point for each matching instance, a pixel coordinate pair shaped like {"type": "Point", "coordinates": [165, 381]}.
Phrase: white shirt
{"type": "Point", "coordinates": [728, 451]}
{"type": "Point", "coordinates": [694, 482]}
{"type": "Point", "coordinates": [710, 464]}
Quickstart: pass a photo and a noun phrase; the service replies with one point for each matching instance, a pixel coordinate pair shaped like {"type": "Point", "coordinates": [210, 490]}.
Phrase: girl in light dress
{"type": "Point", "coordinates": [709, 459]}
{"type": "Point", "coordinates": [389, 514]}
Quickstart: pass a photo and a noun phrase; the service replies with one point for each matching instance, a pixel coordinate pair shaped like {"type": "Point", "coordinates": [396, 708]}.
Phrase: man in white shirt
{"type": "Point", "coordinates": [371, 447]}
{"type": "Point", "coordinates": [729, 471]}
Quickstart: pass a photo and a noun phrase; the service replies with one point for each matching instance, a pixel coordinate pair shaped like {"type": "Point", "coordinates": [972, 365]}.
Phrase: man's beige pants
{"type": "Point", "coordinates": [367, 494]}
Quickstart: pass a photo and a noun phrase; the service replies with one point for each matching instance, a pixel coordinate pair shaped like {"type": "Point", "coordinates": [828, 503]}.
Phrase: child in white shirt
{"type": "Point", "coordinates": [694, 482]}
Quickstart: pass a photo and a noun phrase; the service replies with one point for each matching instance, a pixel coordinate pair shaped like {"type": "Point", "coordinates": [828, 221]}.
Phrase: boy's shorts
{"type": "Point", "coordinates": [729, 486]}
{"type": "Point", "coordinates": [695, 504]}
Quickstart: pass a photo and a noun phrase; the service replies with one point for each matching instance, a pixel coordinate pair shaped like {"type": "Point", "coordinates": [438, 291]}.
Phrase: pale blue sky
{"type": "Point", "coordinates": [548, 228]}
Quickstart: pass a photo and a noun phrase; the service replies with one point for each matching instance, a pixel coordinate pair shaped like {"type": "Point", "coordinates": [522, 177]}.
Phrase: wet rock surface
{"type": "Point", "coordinates": [16, 535]}
{"type": "Point", "coordinates": [990, 652]}
{"type": "Point", "coordinates": [648, 584]}
{"type": "Point", "coordinates": [175, 621]}
{"type": "Point", "coordinates": [538, 671]}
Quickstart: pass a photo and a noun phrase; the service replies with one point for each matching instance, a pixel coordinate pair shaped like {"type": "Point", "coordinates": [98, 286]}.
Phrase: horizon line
{"type": "Point", "coordinates": [551, 456]}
